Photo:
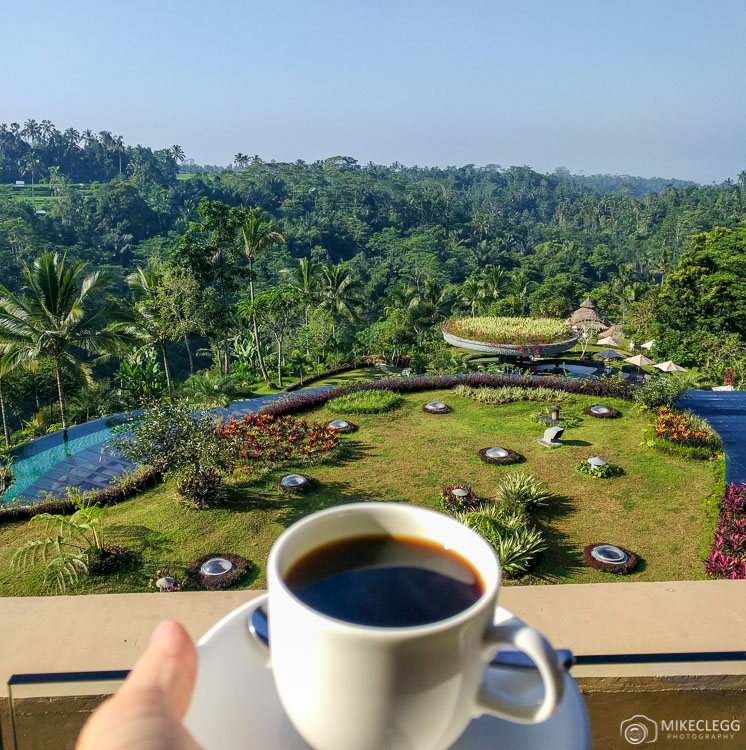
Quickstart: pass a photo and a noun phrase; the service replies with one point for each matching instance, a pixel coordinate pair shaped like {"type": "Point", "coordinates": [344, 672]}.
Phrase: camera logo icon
{"type": "Point", "coordinates": [639, 730]}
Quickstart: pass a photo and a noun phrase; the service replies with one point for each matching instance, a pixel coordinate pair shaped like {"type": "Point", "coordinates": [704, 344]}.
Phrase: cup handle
{"type": "Point", "coordinates": [257, 642]}
{"type": "Point", "coordinates": [536, 647]}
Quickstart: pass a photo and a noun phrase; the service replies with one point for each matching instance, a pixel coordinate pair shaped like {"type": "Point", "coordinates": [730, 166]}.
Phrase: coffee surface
{"type": "Point", "coordinates": [385, 581]}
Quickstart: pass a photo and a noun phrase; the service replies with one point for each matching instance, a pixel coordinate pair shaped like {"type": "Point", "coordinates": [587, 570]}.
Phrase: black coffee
{"type": "Point", "coordinates": [385, 581]}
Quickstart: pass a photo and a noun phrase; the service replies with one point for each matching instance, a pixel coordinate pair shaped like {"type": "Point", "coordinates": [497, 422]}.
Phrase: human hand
{"type": "Point", "coordinates": [146, 712]}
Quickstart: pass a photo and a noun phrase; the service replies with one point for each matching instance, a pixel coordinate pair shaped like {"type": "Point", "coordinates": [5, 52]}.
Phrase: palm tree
{"type": "Point", "coordinates": [117, 145]}
{"type": "Point", "coordinates": [31, 130]}
{"type": "Point", "coordinates": [338, 294]}
{"type": "Point", "coordinates": [150, 327]}
{"type": "Point", "coordinates": [210, 389]}
{"type": "Point", "coordinates": [259, 233]}
{"type": "Point", "coordinates": [400, 297]}
{"type": "Point", "coordinates": [305, 278]}
{"type": "Point", "coordinates": [494, 280]}
{"type": "Point", "coordinates": [59, 314]}
{"type": "Point", "coordinates": [519, 286]}
{"type": "Point", "coordinates": [177, 154]}
{"type": "Point", "coordinates": [241, 160]}
{"type": "Point", "coordinates": [299, 361]}
{"type": "Point", "coordinates": [471, 294]}
{"type": "Point", "coordinates": [5, 368]}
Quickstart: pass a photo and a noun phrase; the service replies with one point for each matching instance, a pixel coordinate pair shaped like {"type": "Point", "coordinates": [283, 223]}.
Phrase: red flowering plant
{"type": "Point", "coordinates": [266, 439]}
{"type": "Point", "coordinates": [455, 503]}
{"type": "Point", "coordinates": [727, 554]}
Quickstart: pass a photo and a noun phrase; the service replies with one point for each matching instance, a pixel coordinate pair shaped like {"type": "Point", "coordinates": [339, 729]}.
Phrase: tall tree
{"type": "Point", "coordinates": [59, 316]}
{"type": "Point", "coordinates": [259, 233]}
{"type": "Point", "coordinates": [304, 277]}
{"type": "Point", "coordinates": [338, 295]}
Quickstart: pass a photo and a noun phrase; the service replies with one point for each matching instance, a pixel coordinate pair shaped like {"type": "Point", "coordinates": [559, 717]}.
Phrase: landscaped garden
{"type": "Point", "coordinates": [660, 506]}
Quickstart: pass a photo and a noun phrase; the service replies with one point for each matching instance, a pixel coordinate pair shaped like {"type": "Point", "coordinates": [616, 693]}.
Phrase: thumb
{"type": "Point", "coordinates": [169, 664]}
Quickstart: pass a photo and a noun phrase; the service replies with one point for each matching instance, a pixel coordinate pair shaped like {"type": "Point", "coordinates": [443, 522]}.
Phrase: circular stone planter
{"type": "Point", "coordinates": [511, 350]}
{"type": "Point", "coordinates": [436, 407]}
{"type": "Point", "coordinates": [341, 425]}
{"type": "Point", "coordinates": [234, 568]}
{"type": "Point", "coordinates": [295, 483]}
{"type": "Point", "coordinates": [599, 411]}
{"type": "Point", "coordinates": [609, 558]}
{"type": "Point", "coordinates": [498, 456]}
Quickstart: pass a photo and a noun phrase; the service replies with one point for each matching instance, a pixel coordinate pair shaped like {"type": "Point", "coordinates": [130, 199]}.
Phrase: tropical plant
{"type": "Point", "coordinates": [338, 295]}
{"type": "Point", "coordinates": [607, 471]}
{"type": "Point", "coordinates": [68, 552]}
{"type": "Point", "coordinates": [299, 362]}
{"type": "Point", "coordinates": [521, 492]}
{"type": "Point", "coordinates": [210, 389]}
{"type": "Point", "coordinates": [142, 380]}
{"type": "Point", "coordinates": [7, 475]}
{"type": "Point", "coordinates": [304, 277]}
{"type": "Point", "coordinates": [59, 315]}
{"type": "Point", "coordinates": [727, 553]}
{"type": "Point", "coordinates": [456, 502]}
{"type": "Point", "coordinates": [259, 233]}
{"type": "Point", "coordinates": [366, 402]}
{"type": "Point", "coordinates": [515, 540]}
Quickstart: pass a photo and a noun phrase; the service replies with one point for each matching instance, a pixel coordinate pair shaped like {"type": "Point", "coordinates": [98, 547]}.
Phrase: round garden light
{"type": "Point", "coordinates": [498, 455]}
{"type": "Point", "coordinates": [436, 407]}
{"type": "Point", "coordinates": [608, 553]}
{"type": "Point", "coordinates": [341, 425]}
{"type": "Point", "coordinates": [460, 492]}
{"type": "Point", "coordinates": [165, 584]}
{"type": "Point", "coordinates": [609, 558]}
{"type": "Point", "coordinates": [601, 412]}
{"type": "Point", "coordinates": [294, 481]}
{"type": "Point", "coordinates": [216, 566]}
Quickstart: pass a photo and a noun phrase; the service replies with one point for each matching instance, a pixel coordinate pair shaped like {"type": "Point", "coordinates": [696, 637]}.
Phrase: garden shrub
{"type": "Point", "coordinates": [513, 331]}
{"type": "Point", "coordinates": [607, 471]}
{"type": "Point", "coordinates": [521, 492]}
{"type": "Point", "coordinates": [684, 429]}
{"type": "Point", "coordinates": [727, 554]}
{"type": "Point", "coordinates": [507, 394]}
{"type": "Point", "coordinates": [181, 443]}
{"type": "Point", "coordinates": [365, 402]}
{"type": "Point", "coordinates": [516, 541]}
{"type": "Point", "coordinates": [7, 475]}
{"type": "Point", "coordinates": [657, 391]}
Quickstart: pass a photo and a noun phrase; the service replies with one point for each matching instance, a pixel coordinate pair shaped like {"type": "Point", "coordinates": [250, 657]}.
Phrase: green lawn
{"type": "Point", "coordinates": [662, 508]}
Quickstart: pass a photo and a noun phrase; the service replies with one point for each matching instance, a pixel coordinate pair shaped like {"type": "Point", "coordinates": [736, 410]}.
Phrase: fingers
{"type": "Point", "coordinates": [169, 664]}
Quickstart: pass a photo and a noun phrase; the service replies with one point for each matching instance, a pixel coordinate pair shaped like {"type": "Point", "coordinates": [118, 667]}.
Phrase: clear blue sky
{"type": "Point", "coordinates": [643, 87]}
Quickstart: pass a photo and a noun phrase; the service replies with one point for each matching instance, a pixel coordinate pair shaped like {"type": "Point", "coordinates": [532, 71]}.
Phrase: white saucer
{"type": "Point", "coordinates": [235, 704]}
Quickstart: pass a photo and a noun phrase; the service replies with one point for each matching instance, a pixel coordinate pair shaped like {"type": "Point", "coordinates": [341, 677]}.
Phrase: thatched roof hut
{"type": "Point", "coordinates": [587, 315]}
{"type": "Point", "coordinates": [614, 331]}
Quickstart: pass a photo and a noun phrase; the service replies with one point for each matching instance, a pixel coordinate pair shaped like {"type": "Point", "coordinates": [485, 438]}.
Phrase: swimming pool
{"type": "Point", "coordinates": [51, 463]}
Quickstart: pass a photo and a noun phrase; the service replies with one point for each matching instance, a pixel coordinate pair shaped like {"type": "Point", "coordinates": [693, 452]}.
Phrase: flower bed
{"type": "Point", "coordinates": [451, 503]}
{"type": "Point", "coordinates": [507, 394]}
{"type": "Point", "coordinates": [727, 553]}
{"type": "Point", "coordinates": [270, 439]}
{"type": "Point", "coordinates": [599, 388]}
{"type": "Point", "coordinates": [618, 569]}
{"type": "Point", "coordinates": [678, 428]}
{"type": "Point", "coordinates": [515, 337]}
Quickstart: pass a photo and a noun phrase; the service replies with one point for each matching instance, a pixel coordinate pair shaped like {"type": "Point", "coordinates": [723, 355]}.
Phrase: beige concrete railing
{"type": "Point", "coordinates": [108, 632]}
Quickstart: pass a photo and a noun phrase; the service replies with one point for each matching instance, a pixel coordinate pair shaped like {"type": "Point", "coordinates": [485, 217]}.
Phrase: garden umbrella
{"type": "Point", "coordinates": [648, 345]}
{"type": "Point", "coordinates": [608, 354]}
{"type": "Point", "coordinates": [608, 341]}
{"type": "Point", "coordinates": [640, 360]}
{"type": "Point", "coordinates": [670, 366]}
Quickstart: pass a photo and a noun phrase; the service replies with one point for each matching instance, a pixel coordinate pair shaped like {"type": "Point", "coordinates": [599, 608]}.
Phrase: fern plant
{"type": "Point", "coordinates": [68, 543]}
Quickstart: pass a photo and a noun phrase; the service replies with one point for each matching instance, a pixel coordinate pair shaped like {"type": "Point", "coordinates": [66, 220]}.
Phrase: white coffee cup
{"type": "Point", "coordinates": [346, 686]}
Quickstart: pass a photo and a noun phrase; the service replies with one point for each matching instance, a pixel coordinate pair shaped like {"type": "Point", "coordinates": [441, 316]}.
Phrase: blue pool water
{"type": "Point", "coordinates": [52, 464]}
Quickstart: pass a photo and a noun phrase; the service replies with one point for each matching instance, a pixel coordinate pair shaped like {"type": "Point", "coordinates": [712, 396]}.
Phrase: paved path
{"type": "Point", "coordinates": [51, 465]}
{"type": "Point", "coordinates": [726, 412]}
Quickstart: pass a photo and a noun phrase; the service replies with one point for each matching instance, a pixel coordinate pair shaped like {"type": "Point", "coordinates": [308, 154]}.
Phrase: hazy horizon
{"type": "Point", "coordinates": [649, 90]}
